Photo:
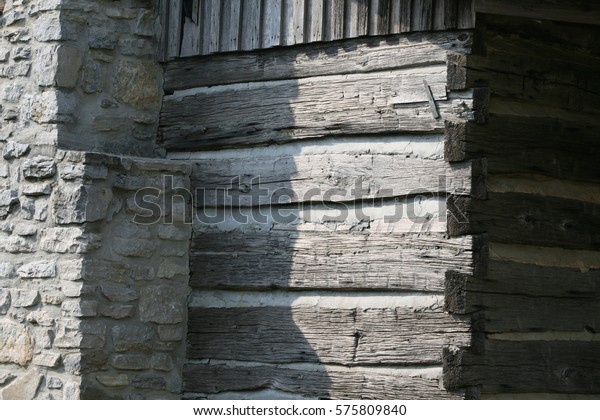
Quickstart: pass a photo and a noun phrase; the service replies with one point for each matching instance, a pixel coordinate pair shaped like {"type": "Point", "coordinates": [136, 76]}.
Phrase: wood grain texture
{"type": "Point", "coordinates": [314, 20]}
{"type": "Point", "coordinates": [175, 28]}
{"type": "Point", "coordinates": [422, 15]}
{"type": "Point", "coordinates": [535, 366]}
{"type": "Point", "coordinates": [342, 57]}
{"type": "Point", "coordinates": [334, 19]}
{"type": "Point", "coordinates": [320, 335]}
{"type": "Point", "coordinates": [529, 220]}
{"type": "Point", "coordinates": [523, 280]}
{"type": "Point", "coordinates": [271, 23]}
{"type": "Point", "coordinates": [304, 260]}
{"type": "Point", "coordinates": [381, 102]}
{"type": "Point", "coordinates": [354, 384]}
{"type": "Point", "coordinates": [251, 25]}
{"type": "Point", "coordinates": [230, 25]}
{"type": "Point", "coordinates": [528, 145]}
{"type": "Point", "coordinates": [293, 179]}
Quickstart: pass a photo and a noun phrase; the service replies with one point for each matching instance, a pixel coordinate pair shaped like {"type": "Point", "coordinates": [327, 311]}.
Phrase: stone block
{"type": "Point", "coordinates": [7, 270]}
{"type": "Point", "coordinates": [25, 230]}
{"type": "Point", "coordinates": [68, 66]}
{"type": "Point", "coordinates": [5, 301]}
{"type": "Point", "coordinates": [54, 383]}
{"type": "Point", "coordinates": [47, 359]}
{"type": "Point", "coordinates": [16, 245]}
{"type": "Point", "coordinates": [137, 84]}
{"type": "Point", "coordinates": [116, 293]}
{"type": "Point", "coordinates": [8, 198]}
{"type": "Point", "coordinates": [53, 107]}
{"type": "Point", "coordinates": [113, 380]}
{"type": "Point", "coordinates": [170, 269]}
{"type": "Point", "coordinates": [130, 361]}
{"type": "Point", "coordinates": [51, 28]}
{"type": "Point", "coordinates": [134, 247]}
{"type": "Point", "coordinates": [145, 23]}
{"type": "Point", "coordinates": [149, 381]}
{"type": "Point", "coordinates": [92, 77]}
{"type": "Point", "coordinates": [86, 361]}
{"type": "Point", "coordinates": [72, 391]}
{"type": "Point", "coordinates": [23, 388]}
{"type": "Point", "coordinates": [40, 317]}
{"type": "Point", "coordinates": [23, 298]}
{"type": "Point", "coordinates": [36, 189]}
{"type": "Point", "coordinates": [79, 308]}
{"type": "Point", "coordinates": [132, 337]}
{"type": "Point", "coordinates": [11, 71]}
{"type": "Point", "coordinates": [162, 305]}
{"type": "Point", "coordinates": [71, 270]}
{"type": "Point", "coordinates": [38, 269]}
{"type": "Point", "coordinates": [17, 35]}
{"type": "Point", "coordinates": [14, 150]}
{"type": "Point", "coordinates": [21, 52]}
{"type": "Point", "coordinates": [16, 343]}
{"type": "Point", "coordinates": [100, 37]}
{"type": "Point", "coordinates": [162, 362]}
{"type": "Point", "coordinates": [68, 240]}
{"type": "Point", "coordinates": [174, 233]}
{"type": "Point", "coordinates": [39, 167]}
{"type": "Point", "coordinates": [81, 203]}
{"type": "Point", "coordinates": [118, 310]}
{"type": "Point", "coordinates": [170, 333]}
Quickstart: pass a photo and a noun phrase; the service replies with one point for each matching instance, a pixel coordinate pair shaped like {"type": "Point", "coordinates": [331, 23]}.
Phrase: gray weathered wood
{"type": "Point", "coordinates": [230, 25]}
{"type": "Point", "coordinates": [293, 22]}
{"type": "Point", "coordinates": [349, 56]}
{"type": "Point", "coordinates": [445, 14]}
{"type": "Point", "coordinates": [576, 11]}
{"type": "Point", "coordinates": [175, 28]}
{"type": "Point", "coordinates": [251, 23]}
{"type": "Point", "coordinates": [351, 384]}
{"type": "Point", "coordinates": [293, 179]}
{"type": "Point", "coordinates": [568, 367]}
{"type": "Point", "coordinates": [521, 280]}
{"type": "Point", "coordinates": [546, 146]}
{"type": "Point", "coordinates": [271, 23]}
{"type": "Point", "coordinates": [356, 18]}
{"type": "Point", "coordinates": [163, 48]}
{"type": "Point", "coordinates": [380, 102]}
{"type": "Point", "coordinates": [322, 335]}
{"type": "Point", "coordinates": [304, 260]}
{"type": "Point", "coordinates": [211, 18]}
{"type": "Point", "coordinates": [334, 19]}
{"type": "Point", "coordinates": [379, 17]}
{"type": "Point", "coordinates": [466, 14]}
{"type": "Point", "coordinates": [315, 11]}
{"type": "Point", "coordinates": [529, 219]}
{"type": "Point", "coordinates": [422, 15]}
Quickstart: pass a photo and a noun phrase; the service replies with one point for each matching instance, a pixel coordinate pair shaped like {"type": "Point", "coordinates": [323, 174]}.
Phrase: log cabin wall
{"type": "Point", "coordinates": [536, 311]}
{"type": "Point", "coordinates": [198, 27]}
{"type": "Point", "coordinates": [320, 245]}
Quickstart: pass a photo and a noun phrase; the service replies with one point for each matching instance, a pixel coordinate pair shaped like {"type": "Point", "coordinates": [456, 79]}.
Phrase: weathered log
{"type": "Point", "coordinates": [325, 383]}
{"type": "Point", "coordinates": [304, 260]}
{"type": "Point", "coordinates": [569, 367]}
{"type": "Point", "coordinates": [323, 335]}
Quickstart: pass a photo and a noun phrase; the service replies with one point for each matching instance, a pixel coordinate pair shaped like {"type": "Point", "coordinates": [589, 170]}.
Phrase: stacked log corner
{"type": "Point", "coordinates": [535, 305]}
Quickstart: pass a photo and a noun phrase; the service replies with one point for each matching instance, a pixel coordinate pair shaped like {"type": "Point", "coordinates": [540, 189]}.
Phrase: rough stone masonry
{"type": "Point", "coordinates": [92, 305]}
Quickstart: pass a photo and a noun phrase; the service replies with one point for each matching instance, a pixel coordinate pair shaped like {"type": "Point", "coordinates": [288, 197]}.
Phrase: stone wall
{"type": "Point", "coordinates": [91, 303]}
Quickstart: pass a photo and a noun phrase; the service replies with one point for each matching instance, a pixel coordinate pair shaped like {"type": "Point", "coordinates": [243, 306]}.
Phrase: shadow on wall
{"type": "Point", "coordinates": [243, 341]}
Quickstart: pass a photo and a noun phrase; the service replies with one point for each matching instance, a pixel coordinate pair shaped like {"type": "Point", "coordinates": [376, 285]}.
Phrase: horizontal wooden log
{"type": "Point", "coordinates": [523, 280]}
{"type": "Point", "coordinates": [251, 181]}
{"type": "Point", "coordinates": [354, 384]}
{"type": "Point", "coordinates": [528, 219]}
{"type": "Point", "coordinates": [340, 57]}
{"type": "Point", "coordinates": [329, 260]}
{"type": "Point", "coordinates": [278, 112]}
{"type": "Point", "coordinates": [568, 367]}
{"type": "Point", "coordinates": [575, 11]}
{"type": "Point", "coordinates": [524, 144]}
{"type": "Point", "coordinates": [323, 335]}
